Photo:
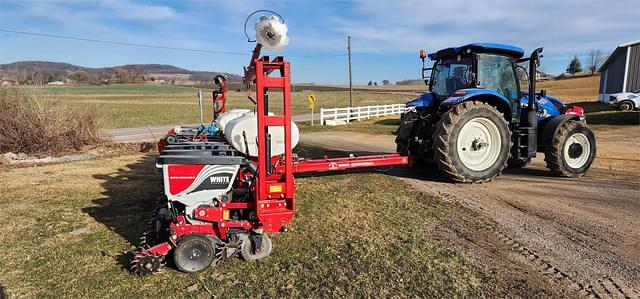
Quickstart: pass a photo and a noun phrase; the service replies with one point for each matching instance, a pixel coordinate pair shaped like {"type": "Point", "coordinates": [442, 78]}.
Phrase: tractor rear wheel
{"type": "Point", "coordinates": [572, 151]}
{"type": "Point", "coordinates": [472, 142]}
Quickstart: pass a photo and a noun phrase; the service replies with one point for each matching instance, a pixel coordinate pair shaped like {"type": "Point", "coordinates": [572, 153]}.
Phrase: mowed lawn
{"type": "Point", "coordinates": [65, 227]}
{"type": "Point", "coordinates": [123, 106]}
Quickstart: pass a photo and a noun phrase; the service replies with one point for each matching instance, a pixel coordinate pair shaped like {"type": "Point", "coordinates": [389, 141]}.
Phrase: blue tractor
{"type": "Point", "coordinates": [476, 120]}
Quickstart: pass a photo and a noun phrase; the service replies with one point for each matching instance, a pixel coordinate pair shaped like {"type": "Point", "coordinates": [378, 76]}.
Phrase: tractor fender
{"type": "Point", "coordinates": [549, 127]}
{"type": "Point", "coordinates": [488, 96]}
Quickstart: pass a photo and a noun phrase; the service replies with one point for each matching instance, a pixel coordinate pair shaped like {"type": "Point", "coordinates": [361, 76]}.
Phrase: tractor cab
{"type": "Point", "coordinates": [486, 66]}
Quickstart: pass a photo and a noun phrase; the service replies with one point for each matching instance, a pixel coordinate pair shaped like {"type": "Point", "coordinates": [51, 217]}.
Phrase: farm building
{"type": "Point", "coordinates": [620, 72]}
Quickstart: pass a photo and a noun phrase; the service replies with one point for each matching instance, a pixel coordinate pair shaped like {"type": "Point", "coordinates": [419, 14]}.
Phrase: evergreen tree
{"type": "Point", "coordinates": [574, 66]}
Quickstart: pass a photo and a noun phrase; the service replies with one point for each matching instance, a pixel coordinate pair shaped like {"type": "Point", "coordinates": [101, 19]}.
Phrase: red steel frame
{"type": "Point", "coordinates": [275, 190]}
{"type": "Point", "coordinates": [219, 95]}
{"type": "Point", "coordinates": [331, 164]}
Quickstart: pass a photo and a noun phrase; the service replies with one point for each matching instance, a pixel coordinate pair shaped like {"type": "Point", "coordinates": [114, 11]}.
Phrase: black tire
{"type": "Point", "coordinates": [194, 253]}
{"type": "Point", "coordinates": [555, 154]}
{"type": "Point", "coordinates": [405, 131]}
{"type": "Point", "coordinates": [517, 163]}
{"type": "Point", "coordinates": [626, 106]}
{"type": "Point", "coordinates": [446, 139]}
{"type": "Point", "coordinates": [248, 252]}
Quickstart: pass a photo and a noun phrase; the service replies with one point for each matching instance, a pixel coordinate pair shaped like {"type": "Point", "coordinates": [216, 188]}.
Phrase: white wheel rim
{"type": "Point", "coordinates": [576, 150]}
{"type": "Point", "coordinates": [479, 144]}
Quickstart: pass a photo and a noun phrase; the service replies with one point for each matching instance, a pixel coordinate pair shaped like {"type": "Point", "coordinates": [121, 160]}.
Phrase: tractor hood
{"type": "Point", "coordinates": [549, 105]}
{"type": "Point", "coordinates": [424, 100]}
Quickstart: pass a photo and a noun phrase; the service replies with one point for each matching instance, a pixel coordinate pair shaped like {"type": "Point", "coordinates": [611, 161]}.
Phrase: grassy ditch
{"type": "Point", "coordinates": [64, 228]}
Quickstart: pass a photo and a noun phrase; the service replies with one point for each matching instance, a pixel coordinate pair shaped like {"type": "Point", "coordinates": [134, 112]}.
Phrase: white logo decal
{"type": "Point", "coordinates": [219, 180]}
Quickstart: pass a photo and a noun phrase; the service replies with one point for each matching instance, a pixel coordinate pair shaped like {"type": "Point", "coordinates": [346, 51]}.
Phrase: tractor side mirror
{"type": "Point", "coordinates": [423, 55]}
{"type": "Point", "coordinates": [536, 55]}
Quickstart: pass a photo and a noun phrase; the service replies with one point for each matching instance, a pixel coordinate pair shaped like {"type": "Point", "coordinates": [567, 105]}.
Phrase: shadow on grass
{"type": "Point", "coordinates": [615, 118]}
{"type": "Point", "coordinates": [425, 171]}
{"type": "Point", "coordinates": [592, 107]}
{"type": "Point", "coordinates": [389, 122]}
{"type": "Point", "coordinates": [127, 200]}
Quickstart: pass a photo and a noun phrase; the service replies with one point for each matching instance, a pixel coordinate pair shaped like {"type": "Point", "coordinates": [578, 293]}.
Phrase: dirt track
{"type": "Point", "coordinates": [580, 236]}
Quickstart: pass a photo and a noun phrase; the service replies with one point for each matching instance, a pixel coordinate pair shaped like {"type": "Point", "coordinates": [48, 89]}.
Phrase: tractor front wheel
{"type": "Point", "coordinates": [572, 151]}
{"type": "Point", "coordinates": [472, 142]}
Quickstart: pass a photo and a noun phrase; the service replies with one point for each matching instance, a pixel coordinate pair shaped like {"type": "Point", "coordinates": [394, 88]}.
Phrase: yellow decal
{"type": "Point", "coordinates": [275, 189]}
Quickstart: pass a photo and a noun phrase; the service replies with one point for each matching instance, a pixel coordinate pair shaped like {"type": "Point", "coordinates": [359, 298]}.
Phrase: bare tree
{"type": "Point", "coordinates": [122, 75]}
{"type": "Point", "coordinates": [23, 76]}
{"type": "Point", "coordinates": [105, 77]}
{"type": "Point", "coordinates": [80, 76]}
{"type": "Point", "coordinates": [595, 60]}
{"type": "Point", "coordinates": [134, 73]}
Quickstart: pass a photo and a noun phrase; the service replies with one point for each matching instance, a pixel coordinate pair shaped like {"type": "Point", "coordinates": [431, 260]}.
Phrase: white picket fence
{"type": "Point", "coordinates": [358, 113]}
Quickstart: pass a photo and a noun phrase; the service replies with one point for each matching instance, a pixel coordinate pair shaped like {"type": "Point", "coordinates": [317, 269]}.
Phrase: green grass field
{"type": "Point", "coordinates": [354, 235]}
{"type": "Point", "coordinates": [124, 106]}
{"type": "Point", "coordinates": [109, 89]}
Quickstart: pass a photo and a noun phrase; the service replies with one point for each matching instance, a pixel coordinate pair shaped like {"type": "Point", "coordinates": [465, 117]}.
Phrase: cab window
{"type": "Point", "coordinates": [451, 75]}
{"type": "Point", "coordinates": [496, 72]}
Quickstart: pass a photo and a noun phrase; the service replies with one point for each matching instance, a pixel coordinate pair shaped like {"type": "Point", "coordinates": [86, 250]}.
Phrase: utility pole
{"type": "Point", "coordinates": [350, 82]}
{"type": "Point", "coordinates": [200, 103]}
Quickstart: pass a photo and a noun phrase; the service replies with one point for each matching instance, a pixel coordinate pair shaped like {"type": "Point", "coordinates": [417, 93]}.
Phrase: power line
{"type": "Point", "coordinates": [120, 43]}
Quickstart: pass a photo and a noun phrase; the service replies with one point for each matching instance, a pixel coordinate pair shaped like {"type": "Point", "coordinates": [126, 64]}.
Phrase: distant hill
{"type": "Point", "coordinates": [41, 72]}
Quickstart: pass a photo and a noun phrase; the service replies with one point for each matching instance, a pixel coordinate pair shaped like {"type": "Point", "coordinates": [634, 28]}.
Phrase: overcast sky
{"type": "Point", "coordinates": [386, 34]}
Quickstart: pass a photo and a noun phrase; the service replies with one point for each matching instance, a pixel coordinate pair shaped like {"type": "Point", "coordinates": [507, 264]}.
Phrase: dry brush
{"type": "Point", "coordinates": [35, 125]}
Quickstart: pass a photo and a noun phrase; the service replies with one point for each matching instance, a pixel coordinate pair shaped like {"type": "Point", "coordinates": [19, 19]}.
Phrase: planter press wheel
{"type": "Point", "coordinates": [255, 247]}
